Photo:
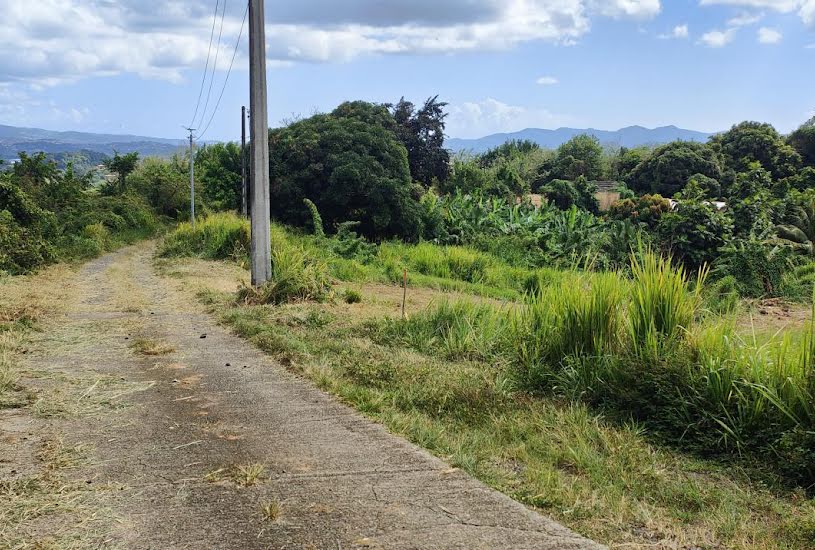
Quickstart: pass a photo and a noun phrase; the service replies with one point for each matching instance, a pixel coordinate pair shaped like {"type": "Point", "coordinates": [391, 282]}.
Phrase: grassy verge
{"type": "Point", "coordinates": [603, 479]}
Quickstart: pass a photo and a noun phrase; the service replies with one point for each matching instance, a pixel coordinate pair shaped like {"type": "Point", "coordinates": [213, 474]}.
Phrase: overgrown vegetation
{"type": "Point", "coordinates": [48, 215]}
{"type": "Point", "coordinates": [513, 394]}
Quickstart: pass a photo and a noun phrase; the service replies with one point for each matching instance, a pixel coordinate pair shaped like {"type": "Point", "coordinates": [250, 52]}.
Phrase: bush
{"type": "Point", "coordinates": [21, 249]}
{"type": "Point", "coordinates": [216, 237]}
{"type": "Point", "coordinates": [164, 184]}
{"type": "Point", "coordinates": [757, 267]}
{"type": "Point", "coordinates": [647, 210]}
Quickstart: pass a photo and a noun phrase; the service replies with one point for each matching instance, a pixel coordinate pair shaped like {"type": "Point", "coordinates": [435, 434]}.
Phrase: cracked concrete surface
{"type": "Point", "coordinates": [341, 481]}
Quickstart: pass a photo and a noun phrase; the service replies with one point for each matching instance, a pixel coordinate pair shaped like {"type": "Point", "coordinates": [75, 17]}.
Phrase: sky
{"type": "Point", "coordinates": [137, 66]}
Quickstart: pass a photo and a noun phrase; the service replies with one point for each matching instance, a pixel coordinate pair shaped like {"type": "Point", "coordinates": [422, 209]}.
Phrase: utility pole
{"type": "Point", "coordinates": [192, 178]}
{"type": "Point", "coordinates": [244, 197]}
{"type": "Point", "coordinates": [259, 169]}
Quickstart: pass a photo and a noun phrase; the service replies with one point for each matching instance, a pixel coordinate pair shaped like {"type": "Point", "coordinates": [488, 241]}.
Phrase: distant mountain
{"type": "Point", "coordinates": [33, 140]}
{"type": "Point", "coordinates": [633, 136]}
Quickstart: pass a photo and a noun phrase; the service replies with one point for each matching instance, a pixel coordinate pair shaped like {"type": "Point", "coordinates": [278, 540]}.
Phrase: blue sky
{"type": "Point", "coordinates": [135, 66]}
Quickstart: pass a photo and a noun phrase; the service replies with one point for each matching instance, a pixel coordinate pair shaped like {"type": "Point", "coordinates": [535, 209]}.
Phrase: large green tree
{"type": "Point", "coordinates": [351, 166]}
{"type": "Point", "coordinates": [580, 156]}
{"type": "Point", "coordinates": [421, 131]}
{"type": "Point", "coordinates": [123, 165]}
{"type": "Point", "coordinates": [669, 168]}
{"type": "Point", "coordinates": [218, 168]}
{"type": "Point", "coordinates": [750, 142]}
{"type": "Point", "coordinates": [803, 141]}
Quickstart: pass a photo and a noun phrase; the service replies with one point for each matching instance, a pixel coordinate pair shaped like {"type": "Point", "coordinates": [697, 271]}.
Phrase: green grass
{"type": "Point", "coordinates": [599, 477]}
{"type": "Point", "coordinates": [217, 237]}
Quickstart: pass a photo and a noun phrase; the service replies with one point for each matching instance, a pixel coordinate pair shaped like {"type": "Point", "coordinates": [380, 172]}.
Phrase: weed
{"type": "Point", "coordinates": [248, 474]}
{"type": "Point", "coordinates": [150, 348]}
{"type": "Point", "coordinates": [271, 510]}
{"type": "Point", "coordinates": [351, 296]}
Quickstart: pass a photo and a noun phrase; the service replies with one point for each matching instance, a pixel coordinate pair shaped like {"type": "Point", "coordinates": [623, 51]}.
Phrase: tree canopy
{"type": "Point", "coordinates": [757, 142]}
{"type": "Point", "coordinates": [421, 131]}
{"type": "Point", "coordinates": [123, 165]}
{"type": "Point", "coordinates": [351, 166]}
{"type": "Point", "coordinates": [580, 156]}
{"type": "Point", "coordinates": [803, 141]}
{"type": "Point", "coordinates": [218, 168]}
{"type": "Point", "coordinates": [669, 168]}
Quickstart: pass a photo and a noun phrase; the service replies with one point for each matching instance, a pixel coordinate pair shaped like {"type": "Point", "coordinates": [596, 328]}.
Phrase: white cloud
{"type": "Point", "coordinates": [745, 19]}
{"type": "Point", "coordinates": [804, 8]}
{"type": "Point", "coordinates": [718, 39]}
{"type": "Point", "coordinates": [480, 118]}
{"type": "Point", "coordinates": [640, 9]}
{"type": "Point", "coordinates": [679, 31]}
{"type": "Point", "coordinates": [51, 41]}
{"type": "Point", "coordinates": [767, 35]}
{"type": "Point", "coordinates": [547, 81]}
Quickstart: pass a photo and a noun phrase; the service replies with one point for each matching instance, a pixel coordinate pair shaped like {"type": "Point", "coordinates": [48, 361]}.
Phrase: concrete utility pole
{"type": "Point", "coordinates": [261, 237]}
{"type": "Point", "coordinates": [192, 178]}
{"type": "Point", "coordinates": [244, 197]}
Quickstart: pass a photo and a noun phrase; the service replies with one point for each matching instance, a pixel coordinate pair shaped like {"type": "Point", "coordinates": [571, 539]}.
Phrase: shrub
{"type": "Point", "coordinates": [722, 296]}
{"type": "Point", "coordinates": [216, 237]}
{"type": "Point", "coordinates": [21, 249]}
{"type": "Point", "coordinates": [164, 185]}
{"type": "Point", "coordinates": [757, 267]}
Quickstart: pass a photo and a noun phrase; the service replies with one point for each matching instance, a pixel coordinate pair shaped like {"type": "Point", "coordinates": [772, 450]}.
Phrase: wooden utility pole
{"type": "Point", "coordinates": [259, 169]}
{"type": "Point", "coordinates": [192, 178]}
{"type": "Point", "coordinates": [244, 197]}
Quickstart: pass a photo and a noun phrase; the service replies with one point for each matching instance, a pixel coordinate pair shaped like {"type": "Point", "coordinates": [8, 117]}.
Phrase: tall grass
{"type": "Point", "coordinates": [296, 274]}
{"type": "Point", "coordinates": [641, 348]}
{"type": "Point", "coordinates": [663, 306]}
{"type": "Point", "coordinates": [295, 277]}
{"type": "Point", "coordinates": [219, 236]}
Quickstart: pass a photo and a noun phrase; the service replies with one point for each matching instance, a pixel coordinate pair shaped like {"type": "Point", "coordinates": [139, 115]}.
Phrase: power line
{"type": "Point", "coordinates": [228, 72]}
{"type": "Point", "coordinates": [206, 67]}
{"type": "Point", "coordinates": [214, 65]}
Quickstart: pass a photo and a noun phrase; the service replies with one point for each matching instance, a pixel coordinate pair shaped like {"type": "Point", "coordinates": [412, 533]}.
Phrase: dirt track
{"type": "Point", "coordinates": [197, 403]}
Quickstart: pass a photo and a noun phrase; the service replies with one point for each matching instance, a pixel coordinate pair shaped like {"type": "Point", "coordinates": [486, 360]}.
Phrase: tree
{"type": "Point", "coordinates": [580, 156]}
{"type": "Point", "coordinates": [564, 194]}
{"type": "Point", "coordinates": [509, 150]}
{"type": "Point", "coordinates": [646, 210]}
{"type": "Point", "coordinates": [803, 141]}
{"type": "Point", "coordinates": [422, 133]}
{"type": "Point", "coordinates": [218, 168]}
{"type": "Point", "coordinates": [351, 166]}
{"type": "Point", "coordinates": [756, 142]}
{"type": "Point", "coordinates": [466, 176]}
{"type": "Point", "coordinates": [750, 202]}
{"type": "Point", "coordinates": [626, 160]}
{"type": "Point", "coordinates": [695, 230]}
{"type": "Point", "coordinates": [123, 165]}
{"type": "Point", "coordinates": [669, 168]}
